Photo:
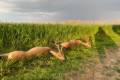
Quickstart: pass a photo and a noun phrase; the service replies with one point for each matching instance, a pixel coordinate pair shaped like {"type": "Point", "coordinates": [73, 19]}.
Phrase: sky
{"type": "Point", "coordinates": [59, 10]}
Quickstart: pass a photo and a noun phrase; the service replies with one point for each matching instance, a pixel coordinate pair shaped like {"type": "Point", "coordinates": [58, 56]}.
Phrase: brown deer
{"type": "Point", "coordinates": [34, 52]}
{"type": "Point", "coordinates": [68, 44]}
{"type": "Point", "coordinates": [15, 55]}
{"type": "Point", "coordinates": [37, 51]}
{"type": "Point", "coordinates": [72, 43]}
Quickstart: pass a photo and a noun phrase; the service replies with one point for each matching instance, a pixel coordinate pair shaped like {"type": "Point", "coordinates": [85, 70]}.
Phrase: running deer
{"type": "Point", "coordinates": [34, 52]}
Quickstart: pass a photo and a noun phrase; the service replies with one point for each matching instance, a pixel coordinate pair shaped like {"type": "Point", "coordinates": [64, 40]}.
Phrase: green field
{"type": "Point", "coordinates": [25, 36]}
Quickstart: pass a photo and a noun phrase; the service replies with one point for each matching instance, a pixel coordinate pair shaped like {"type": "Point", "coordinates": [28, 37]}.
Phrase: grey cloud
{"type": "Point", "coordinates": [67, 9]}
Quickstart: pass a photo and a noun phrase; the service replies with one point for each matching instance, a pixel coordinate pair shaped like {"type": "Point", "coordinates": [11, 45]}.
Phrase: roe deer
{"type": "Point", "coordinates": [68, 44]}
{"type": "Point", "coordinates": [34, 52]}
{"type": "Point", "coordinates": [15, 55]}
{"type": "Point", "coordinates": [37, 51]}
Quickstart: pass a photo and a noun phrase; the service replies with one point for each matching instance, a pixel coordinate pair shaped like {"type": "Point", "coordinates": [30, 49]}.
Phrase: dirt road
{"type": "Point", "coordinates": [109, 69]}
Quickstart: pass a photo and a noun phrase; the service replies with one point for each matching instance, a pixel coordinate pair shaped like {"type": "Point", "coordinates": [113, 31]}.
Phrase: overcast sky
{"type": "Point", "coordinates": [59, 10]}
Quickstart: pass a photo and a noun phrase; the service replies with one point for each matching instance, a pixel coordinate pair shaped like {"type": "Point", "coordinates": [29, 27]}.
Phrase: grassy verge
{"type": "Point", "coordinates": [26, 36]}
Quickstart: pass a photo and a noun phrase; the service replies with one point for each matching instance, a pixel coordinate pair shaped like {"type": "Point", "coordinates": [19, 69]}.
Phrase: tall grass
{"type": "Point", "coordinates": [26, 36]}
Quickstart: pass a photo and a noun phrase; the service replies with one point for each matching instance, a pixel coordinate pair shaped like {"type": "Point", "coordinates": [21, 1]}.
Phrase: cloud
{"type": "Point", "coordinates": [55, 10]}
{"type": "Point", "coordinates": [67, 9]}
{"type": "Point", "coordinates": [5, 7]}
{"type": "Point", "coordinates": [18, 11]}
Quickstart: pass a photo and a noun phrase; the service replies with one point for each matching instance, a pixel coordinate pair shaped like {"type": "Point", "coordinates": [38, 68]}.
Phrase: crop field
{"type": "Point", "coordinates": [78, 59]}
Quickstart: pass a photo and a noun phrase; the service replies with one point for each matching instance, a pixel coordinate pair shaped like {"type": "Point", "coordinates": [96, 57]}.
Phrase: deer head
{"type": "Point", "coordinates": [58, 54]}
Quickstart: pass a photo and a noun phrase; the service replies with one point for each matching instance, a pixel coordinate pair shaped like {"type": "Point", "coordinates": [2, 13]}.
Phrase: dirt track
{"type": "Point", "coordinates": [109, 69]}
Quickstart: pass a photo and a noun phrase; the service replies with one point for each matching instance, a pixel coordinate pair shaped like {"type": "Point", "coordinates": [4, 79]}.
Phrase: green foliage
{"type": "Point", "coordinates": [116, 28]}
{"type": "Point", "coordinates": [26, 36]}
